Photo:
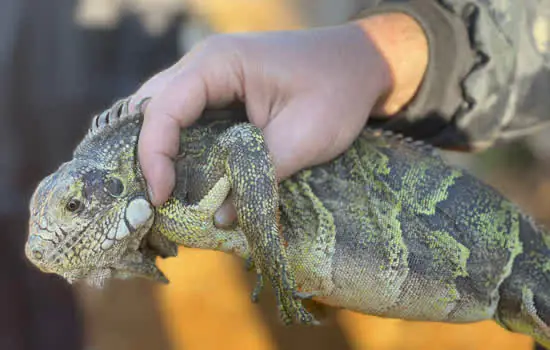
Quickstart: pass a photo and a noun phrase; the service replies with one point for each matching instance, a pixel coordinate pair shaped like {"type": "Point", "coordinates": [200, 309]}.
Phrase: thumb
{"type": "Point", "coordinates": [202, 80]}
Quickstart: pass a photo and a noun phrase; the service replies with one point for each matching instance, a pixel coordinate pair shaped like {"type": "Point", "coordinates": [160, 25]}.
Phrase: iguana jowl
{"type": "Point", "coordinates": [386, 229]}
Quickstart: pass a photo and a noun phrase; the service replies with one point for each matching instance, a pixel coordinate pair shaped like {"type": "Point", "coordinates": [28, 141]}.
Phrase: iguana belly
{"type": "Point", "coordinates": [360, 278]}
{"type": "Point", "coordinates": [360, 284]}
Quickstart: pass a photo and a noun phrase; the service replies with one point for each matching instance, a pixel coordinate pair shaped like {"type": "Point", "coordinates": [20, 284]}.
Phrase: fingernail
{"type": "Point", "coordinates": [150, 193]}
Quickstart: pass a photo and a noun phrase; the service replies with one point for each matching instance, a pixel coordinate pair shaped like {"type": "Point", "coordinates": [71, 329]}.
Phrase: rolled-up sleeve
{"type": "Point", "coordinates": [488, 76]}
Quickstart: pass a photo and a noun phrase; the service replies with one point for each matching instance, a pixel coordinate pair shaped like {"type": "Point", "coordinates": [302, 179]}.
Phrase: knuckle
{"type": "Point", "coordinates": [222, 45]}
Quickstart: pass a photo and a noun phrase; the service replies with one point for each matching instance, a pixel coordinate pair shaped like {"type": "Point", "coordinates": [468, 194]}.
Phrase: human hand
{"type": "Point", "coordinates": [310, 91]}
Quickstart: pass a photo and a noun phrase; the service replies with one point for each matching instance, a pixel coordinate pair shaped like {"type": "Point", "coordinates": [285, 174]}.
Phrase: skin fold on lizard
{"type": "Point", "coordinates": [387, 228]}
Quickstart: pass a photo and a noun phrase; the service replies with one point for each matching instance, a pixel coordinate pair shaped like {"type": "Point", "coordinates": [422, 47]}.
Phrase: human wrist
{"type": "Point", "coordinates": [402, 43]}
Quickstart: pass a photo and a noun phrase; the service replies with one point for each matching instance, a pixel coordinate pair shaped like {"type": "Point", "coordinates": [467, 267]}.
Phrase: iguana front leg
{"type": "Point", "coordinates": [241, 154]}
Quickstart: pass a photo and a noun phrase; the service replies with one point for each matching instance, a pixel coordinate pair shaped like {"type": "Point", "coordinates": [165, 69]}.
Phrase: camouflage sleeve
{"type": "Point", "coordinates": [488, 77]}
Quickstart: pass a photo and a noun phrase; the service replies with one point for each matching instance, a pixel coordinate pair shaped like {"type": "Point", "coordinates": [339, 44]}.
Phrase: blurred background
{"type": "Point", "coordinates": [61, 61]}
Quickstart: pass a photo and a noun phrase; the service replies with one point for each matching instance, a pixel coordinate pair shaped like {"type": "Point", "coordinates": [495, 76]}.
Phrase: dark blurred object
{"type": "Point", "coordinates": [53, 76]}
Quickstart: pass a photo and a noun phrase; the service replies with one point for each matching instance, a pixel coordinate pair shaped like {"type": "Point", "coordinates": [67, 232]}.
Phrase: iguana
{"type": "Point", "coordinates": [387, 228]}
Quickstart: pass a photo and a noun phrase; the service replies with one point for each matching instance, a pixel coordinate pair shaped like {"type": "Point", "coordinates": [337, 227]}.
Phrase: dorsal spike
{"type": "Point", "coordinates": [119, 118]}
{"type": "Point", "coordinates": [110, 116]}
{"type": "Point", "coordinates": [407, 141]}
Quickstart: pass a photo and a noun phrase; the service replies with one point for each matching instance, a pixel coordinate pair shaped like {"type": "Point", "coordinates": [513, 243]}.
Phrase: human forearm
{"type": "Point", "coordinates": [403, 44]}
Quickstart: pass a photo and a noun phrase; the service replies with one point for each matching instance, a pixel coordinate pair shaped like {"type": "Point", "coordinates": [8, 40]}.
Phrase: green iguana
{"type": "Point", "coordinates": [386, 229]}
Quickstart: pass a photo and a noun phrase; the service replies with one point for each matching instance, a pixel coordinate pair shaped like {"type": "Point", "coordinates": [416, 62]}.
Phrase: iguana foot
{"type": "Point", "coordinates": [289, 299]}
{"type": "Point", "coordinates": [291, 308]}
{"type": "Point", "coordinates": [260, 285]}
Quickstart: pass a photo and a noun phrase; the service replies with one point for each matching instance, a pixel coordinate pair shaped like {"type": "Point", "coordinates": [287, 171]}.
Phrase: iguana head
{"type": "Point", "coordinates": [88, 218]}
{"type": "Point", "coordinates": [524, 305]}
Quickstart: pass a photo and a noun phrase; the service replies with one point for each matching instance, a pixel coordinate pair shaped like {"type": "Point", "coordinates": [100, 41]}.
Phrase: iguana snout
{"type": "Point", "coordinates": [37, 250]}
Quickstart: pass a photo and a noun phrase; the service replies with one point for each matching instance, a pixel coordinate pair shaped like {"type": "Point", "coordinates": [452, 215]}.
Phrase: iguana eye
{"type": "Point", "coordinates": [73, 205]}
{"type": "Point", "coordinates": [115, 187]}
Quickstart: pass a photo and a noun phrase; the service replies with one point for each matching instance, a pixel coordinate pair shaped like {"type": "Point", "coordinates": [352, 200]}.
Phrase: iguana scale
{"type": "Point", "coordinates": [387, 228]}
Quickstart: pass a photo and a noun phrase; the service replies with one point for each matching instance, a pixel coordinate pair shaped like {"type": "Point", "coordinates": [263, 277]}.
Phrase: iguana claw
{"type": "Point", "coordinates": [305, 295]}
{"type": "Point", "coordinates": [289, 302]}
{"type": "Point", "coordinates": [249, 264]}
{"type": "Point", "coordinates": [287, 306]}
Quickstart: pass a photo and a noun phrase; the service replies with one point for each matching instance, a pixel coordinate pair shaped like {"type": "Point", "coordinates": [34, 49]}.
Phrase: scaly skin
{"type": "Point", "coordinates": [386, 229]}
{"type": "Point", "coordinates": [103, 234]}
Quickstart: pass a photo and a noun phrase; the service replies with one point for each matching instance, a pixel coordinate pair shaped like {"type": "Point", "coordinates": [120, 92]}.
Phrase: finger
{"type": "Point", "coordinates": [178, 104]}
{"type": "Point", "coordinates": [159, 136]}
